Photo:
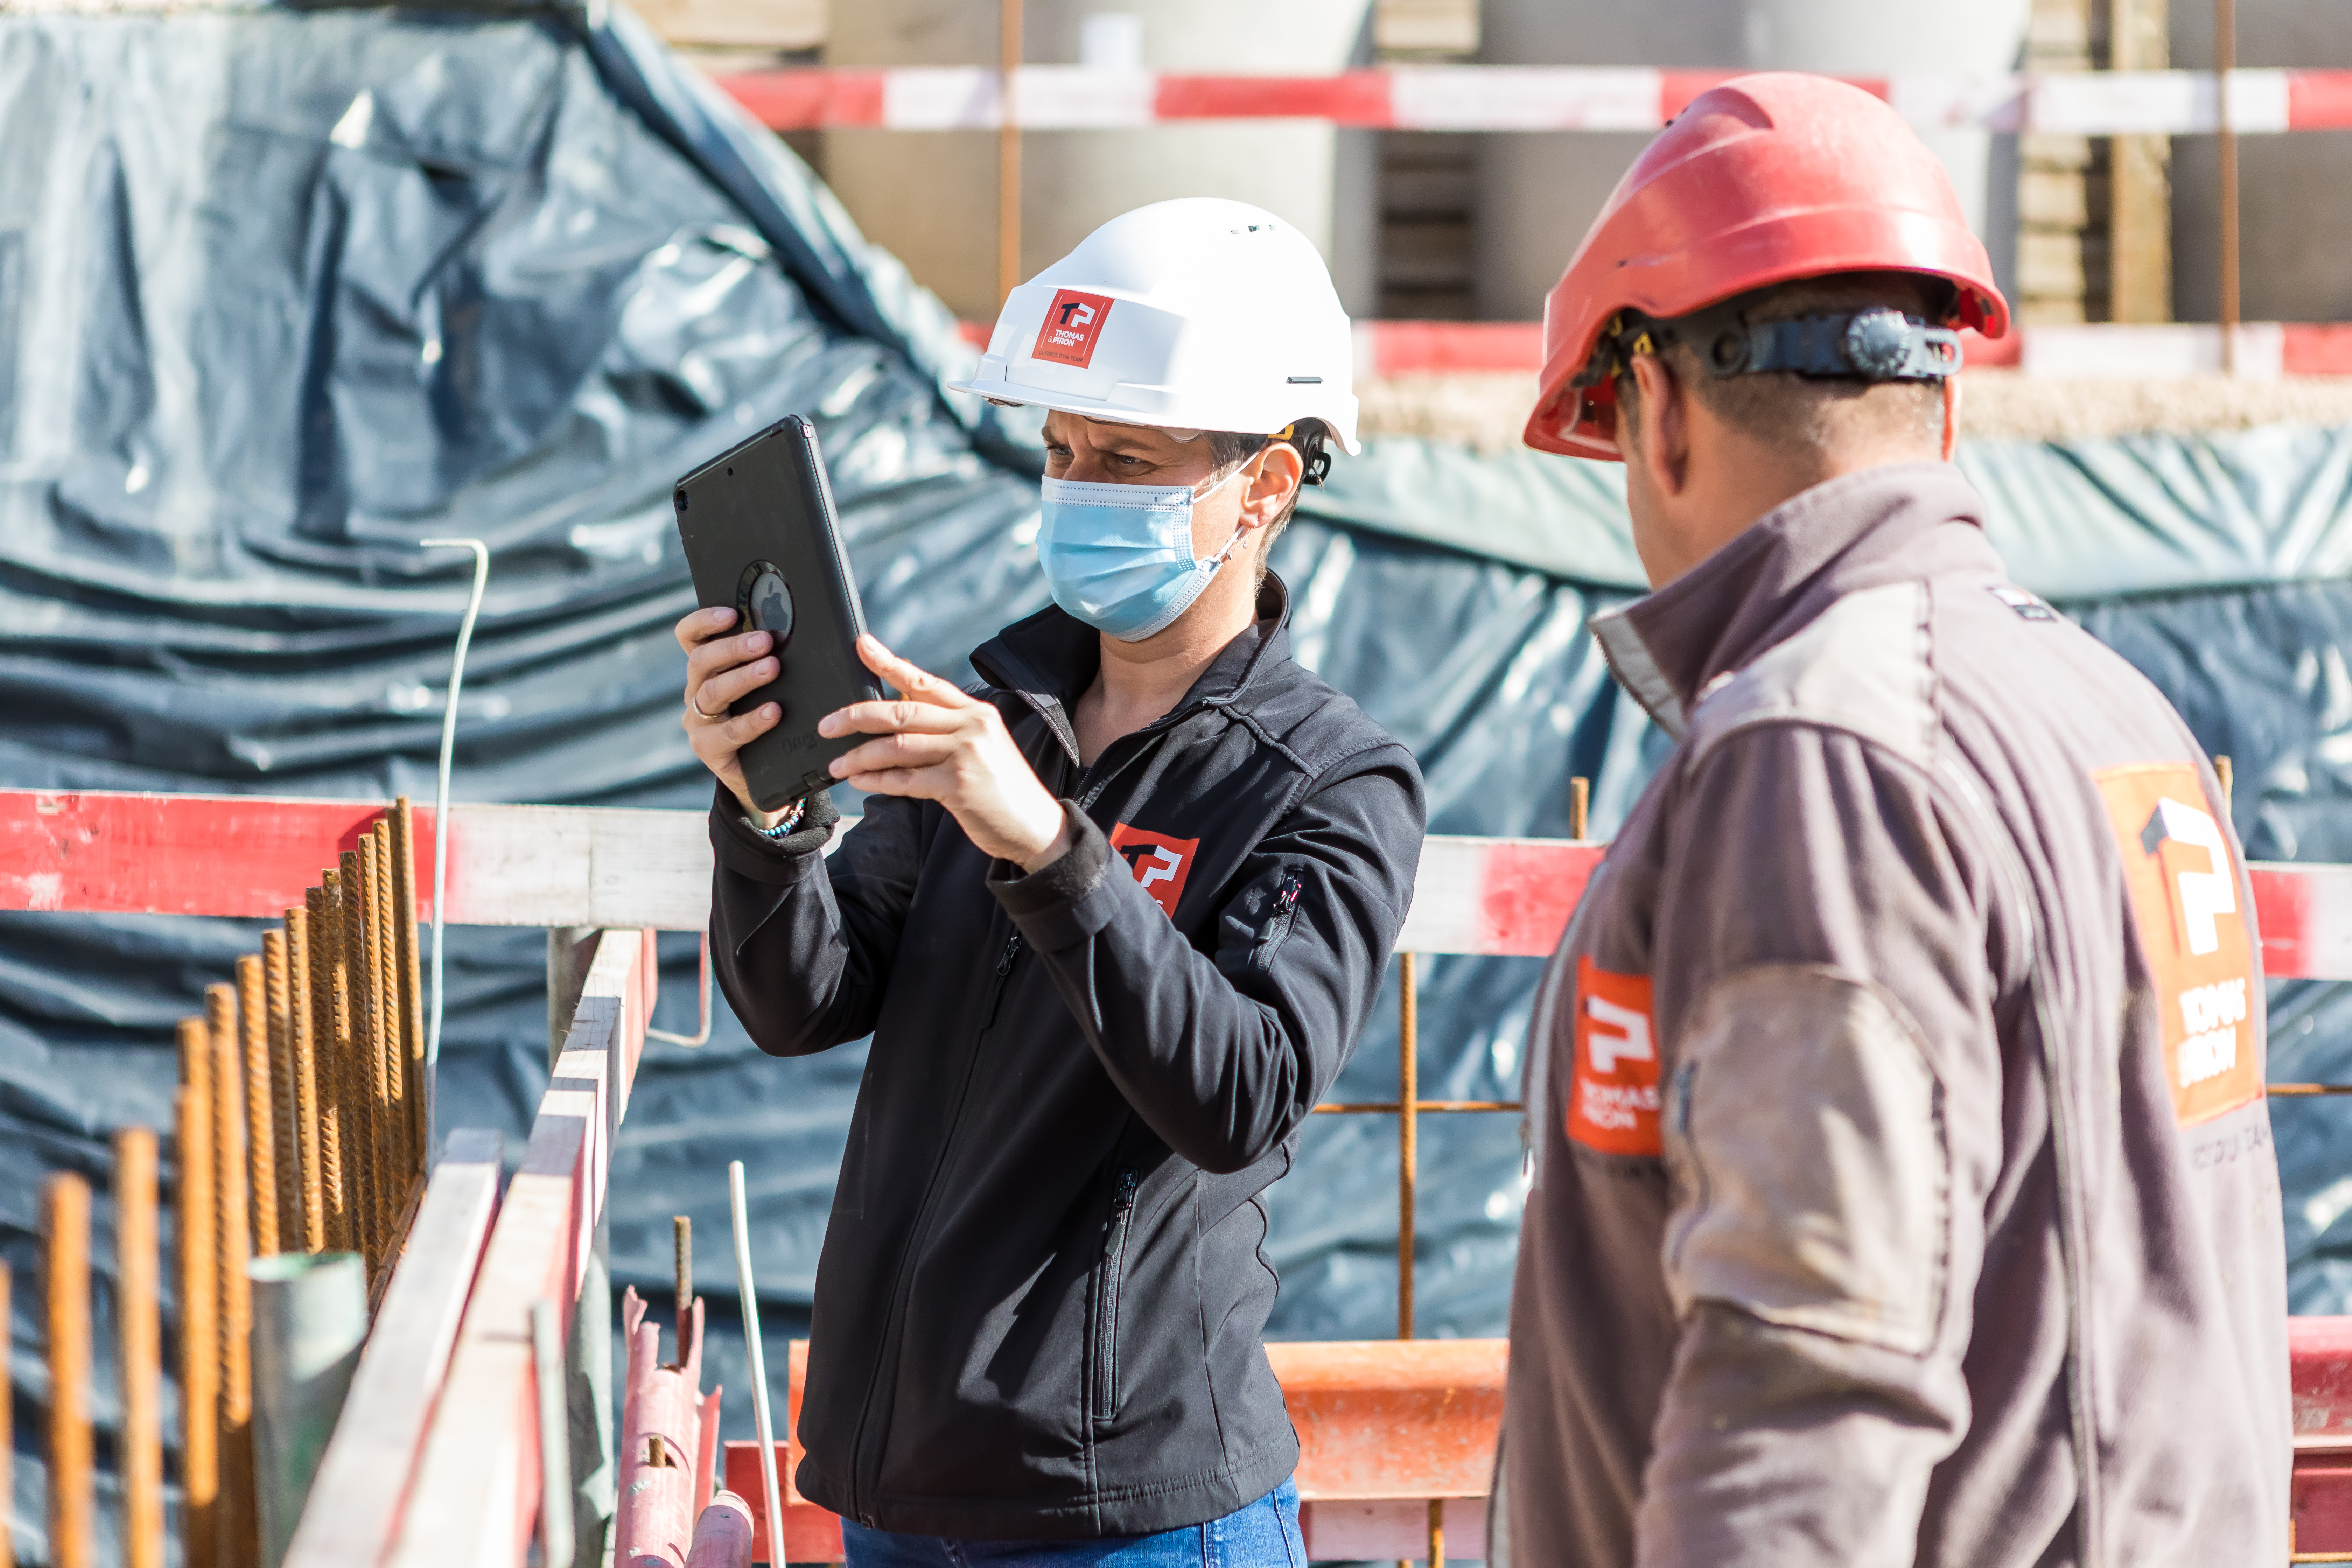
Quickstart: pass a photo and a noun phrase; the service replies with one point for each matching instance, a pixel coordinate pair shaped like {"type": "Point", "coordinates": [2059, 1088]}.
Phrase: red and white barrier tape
{"type": "Point", "coordinates": [1520, 98]}
{"type": "Point", "coordinates": [2097, 350]}
{"type": "Point", "coordinates": [566, 866]}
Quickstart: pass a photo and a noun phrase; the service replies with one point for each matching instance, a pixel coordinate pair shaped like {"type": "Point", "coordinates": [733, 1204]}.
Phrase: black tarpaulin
{"type": "Point", "coordinates": [283, 293]}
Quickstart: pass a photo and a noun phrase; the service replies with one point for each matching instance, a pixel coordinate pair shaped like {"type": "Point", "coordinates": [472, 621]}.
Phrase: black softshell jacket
{"type": "Point", "coordinates": [1039, 1303]}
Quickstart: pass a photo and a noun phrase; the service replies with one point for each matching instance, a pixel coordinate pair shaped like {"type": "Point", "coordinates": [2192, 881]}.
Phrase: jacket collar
{"type": "Point", "coordinates": [1903, 521]}
{"type": "Point", "coordinates": [1048, 661]}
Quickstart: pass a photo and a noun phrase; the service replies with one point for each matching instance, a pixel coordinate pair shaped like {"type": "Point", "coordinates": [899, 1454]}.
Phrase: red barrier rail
{"type": "Point", "coordinates": [553, 865]}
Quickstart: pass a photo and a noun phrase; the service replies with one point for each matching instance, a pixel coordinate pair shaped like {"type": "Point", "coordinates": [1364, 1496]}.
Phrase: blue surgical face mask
{"type": "Point", "coordinates": [1119, 557]}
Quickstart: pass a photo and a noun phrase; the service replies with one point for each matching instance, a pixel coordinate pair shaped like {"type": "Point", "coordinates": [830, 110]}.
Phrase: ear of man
{"type": "Point", "coordinates": [1795, 413]}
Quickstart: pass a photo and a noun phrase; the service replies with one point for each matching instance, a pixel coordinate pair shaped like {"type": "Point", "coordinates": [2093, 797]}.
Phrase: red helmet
{"type": "Point", "coordinates": [1761, 180]}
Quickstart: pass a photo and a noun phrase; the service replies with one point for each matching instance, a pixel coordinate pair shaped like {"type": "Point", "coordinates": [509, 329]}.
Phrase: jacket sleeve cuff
{"type": "Point", "coordinates": [1063, 903]}
{"type": "Point", "coordinates": [743, 849]}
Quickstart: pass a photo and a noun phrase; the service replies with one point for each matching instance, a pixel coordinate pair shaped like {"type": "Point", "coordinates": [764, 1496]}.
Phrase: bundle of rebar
{"type": "Point", "coordinates": [302, 1130]}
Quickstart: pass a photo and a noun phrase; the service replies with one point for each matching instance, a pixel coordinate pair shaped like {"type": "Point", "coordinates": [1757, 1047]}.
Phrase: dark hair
{"type": "Point", "coordinates": [1781, 407]}
{"type": "Point", "coordinates": [1227, 448]}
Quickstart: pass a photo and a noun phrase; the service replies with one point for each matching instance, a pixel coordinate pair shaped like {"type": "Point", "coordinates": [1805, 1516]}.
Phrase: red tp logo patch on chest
{"type": "Point", "coordinates": [1074, 324]}
{"type": "Point", "coordinates": [1158, 862]}
{"type": "Point", "coordinates": [1613, 1095]}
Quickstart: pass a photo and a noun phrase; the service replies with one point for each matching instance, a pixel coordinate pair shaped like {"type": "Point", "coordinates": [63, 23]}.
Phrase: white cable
{"type": "Point", "coordinates": [760, 1415]}
{"type": "Point", "coordinates": [441, 795]}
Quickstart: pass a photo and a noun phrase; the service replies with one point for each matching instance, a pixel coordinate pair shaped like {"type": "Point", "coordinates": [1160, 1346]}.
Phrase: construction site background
{"type": "Point", "coordinates": [211, 582]}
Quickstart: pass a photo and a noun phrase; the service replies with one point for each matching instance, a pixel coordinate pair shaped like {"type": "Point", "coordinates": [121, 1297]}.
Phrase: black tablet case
{"type": "Point", "coordinates": [751, 519]}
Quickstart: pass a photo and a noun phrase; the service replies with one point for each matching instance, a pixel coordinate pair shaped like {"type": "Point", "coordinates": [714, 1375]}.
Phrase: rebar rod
{"type": "Point", "coordinates": [140, 1347]}
{"type": "Point", "coordinates": [1408, 1138]}
{"type": "Point", "coordinates": [367, 1028]}
{"type": "Point", "coordinates": [286, 1143]}
{"type": "Point", "coordinates": [354, 1080]}
{"type": "Point", "coordinates": [681, 1239]}
{"type": "Point", "coordinates": [335, 1219]}
{"type": "Point", "coordinates": [235, 1521]}
{"type": "Point", "coordinates": [399, 1124]}
{"type": "Point", "coordinates": [408, 981]}
{"type": "Point", "coordinates": [260, 1105]}
{"type": "Point", "coordinates": [1580, 805]}
{"type": "Point", "coordinates": [199, 1303]}
{"type": "Point", "coordinates": [64, 1287]}
{"type": "Point", "coordinates": [1391, 1107]}
{"type": "Point", "coordinates": [302, 1025]}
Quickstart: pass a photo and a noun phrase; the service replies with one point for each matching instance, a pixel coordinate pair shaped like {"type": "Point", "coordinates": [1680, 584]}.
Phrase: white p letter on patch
{"type": "Point", "coordinates": [1164, 863]}
{"type": "Point", "coordinates": [2205, 896]}
{"type": "Point", "coordinates": [1632, 1037]}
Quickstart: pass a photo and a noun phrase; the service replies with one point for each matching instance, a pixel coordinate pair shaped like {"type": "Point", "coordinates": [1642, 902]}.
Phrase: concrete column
{"type": "Point", "coordinates": [930, 197]}
{"type": "Point", "coordinates": [1539, 193]}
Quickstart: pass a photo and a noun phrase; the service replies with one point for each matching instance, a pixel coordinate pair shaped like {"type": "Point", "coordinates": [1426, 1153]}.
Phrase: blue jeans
{"type": "Point", "coordinates": [1263, 1534]}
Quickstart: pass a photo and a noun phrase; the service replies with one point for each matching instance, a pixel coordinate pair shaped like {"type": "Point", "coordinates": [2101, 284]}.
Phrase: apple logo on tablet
{"type": "Point", "coordinates": [771, 604]}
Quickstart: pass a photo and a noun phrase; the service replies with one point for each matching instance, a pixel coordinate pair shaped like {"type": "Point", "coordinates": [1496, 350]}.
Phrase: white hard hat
{"type": "Point", "coordinates": [1195, 314]}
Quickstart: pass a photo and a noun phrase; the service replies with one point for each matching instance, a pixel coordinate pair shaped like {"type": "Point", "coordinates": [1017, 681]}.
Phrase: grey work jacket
{"type": "Point", "coordinates": [1903, 1188]}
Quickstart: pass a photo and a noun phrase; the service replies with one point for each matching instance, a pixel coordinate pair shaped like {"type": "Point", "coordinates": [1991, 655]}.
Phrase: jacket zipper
{"type": "Point", "coordinates": [1122, 1208]}
{"type": "Point", "coordinates": [1277, 922]}
{"type": "Point", "coordinates": [860, 1489]}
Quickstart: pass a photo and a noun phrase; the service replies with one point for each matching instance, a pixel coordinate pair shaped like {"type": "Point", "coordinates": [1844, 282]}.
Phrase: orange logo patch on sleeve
{"type": "Point", "coordinates": [1158, 862]}
{"type": "Point", "coordinates": [1073, 325]}
{"type": "Point", "coordinates": [2192, 925]}
{"type": "Point", "coordinates": [1613, 1095]}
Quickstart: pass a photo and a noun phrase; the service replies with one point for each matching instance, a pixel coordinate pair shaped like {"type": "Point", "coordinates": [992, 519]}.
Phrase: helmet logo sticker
{"type": "Point", "coordinates": [1074, 324]}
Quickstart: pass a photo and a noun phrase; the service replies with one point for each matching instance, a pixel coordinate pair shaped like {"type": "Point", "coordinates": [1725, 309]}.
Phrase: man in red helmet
{"type": "Point", "coordinates": [1903, 1191]}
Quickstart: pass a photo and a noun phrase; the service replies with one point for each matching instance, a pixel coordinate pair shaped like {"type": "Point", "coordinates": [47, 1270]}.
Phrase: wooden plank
{"type": "Point", "coordinates": [253, 856]}
{"type": "Point", "coordinates": [475, 1494]}
{"type": "Point", "coordinates": [363, 1480]}
{"type": "Point", "coordinates": [477, 1483]}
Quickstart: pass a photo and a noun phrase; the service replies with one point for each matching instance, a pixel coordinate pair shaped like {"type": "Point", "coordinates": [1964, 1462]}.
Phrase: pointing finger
{"type": "Point", "coordinates": [910, 678]}
{"type": "Point", "coordinates": [905, 717]}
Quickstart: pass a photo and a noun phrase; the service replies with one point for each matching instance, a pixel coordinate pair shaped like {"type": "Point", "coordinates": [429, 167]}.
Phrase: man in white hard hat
{"type": "Point", "coordinates": [1114, 923]}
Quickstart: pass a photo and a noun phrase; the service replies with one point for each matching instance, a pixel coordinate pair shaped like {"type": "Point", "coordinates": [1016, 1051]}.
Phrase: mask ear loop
{"type": "Point", "coordinates": [1216, 562]}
